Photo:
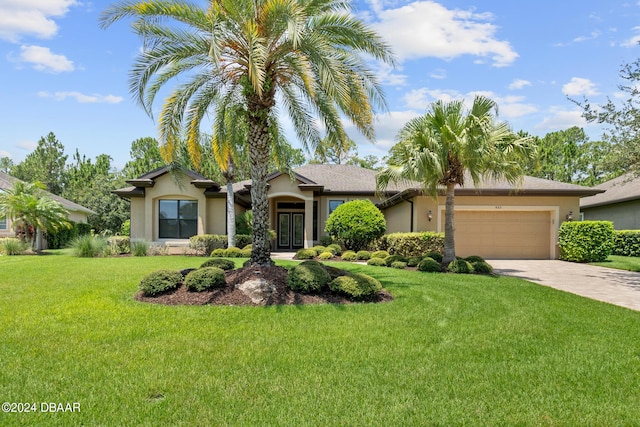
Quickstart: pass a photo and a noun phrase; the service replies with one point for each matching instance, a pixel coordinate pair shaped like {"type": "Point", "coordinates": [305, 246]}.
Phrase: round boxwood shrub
{"type": "Point", "coordinates": [335, 248]}
{"type": "Point", "coordinates": [393, 258]}
{"type": "Point", "coordinates": [349, 256]}
{"type": "Point", "coordinates": [356, 286]}
{"type": "Point", "coordinates": [474, 258]}
{"type": "Point", "coordinates": [379, 262]}
{"type": "Point", "coordinates": [399, 265]}
{"type": "Point", "coordinates": [234, 252]}
{"type": "Point", "coordinates": [356, 224]}
{"type": "Point", "coordinates": [363, 255]}
{"type": "Point", "coordinates": [434, 255]}
{"type": "Point", "coordinates": [160, 281]}
{"type": "Point", "coordinates": [460, 266]}
{"type": "Point", "coordinates": [245, 253]}
{"type": "Point", "coordinates": [220, 252]}
{"type": "Point", "coordinates": [380, 254]}
{"type": "Point", "coordinates": [326, 255]}
{"type": "Point", "coordinates": [482, 267]}
{"type": "Point", "coordinates": [306, 254]}
{"type": "Point", "coordinates": [307, 278]}
{"type": "Point", "coordinates": [429, 265]}
{"type": "Point", "coordinates": [413, 261]}
{"type": "Point", "coordinates": [205, 279]}
{"type": "Point", "coordinates": [249, 246]}
{"type": "Point", "coordinates": [225, 264]}
{"type": "Point", "coordinates": [311, 262]}
{"type": "Point", "coordinates": [319, 249]}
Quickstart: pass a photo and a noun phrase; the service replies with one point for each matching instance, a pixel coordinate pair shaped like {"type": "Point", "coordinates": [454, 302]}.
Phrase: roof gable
{"type": "Point", "coordinates": [621, 189]}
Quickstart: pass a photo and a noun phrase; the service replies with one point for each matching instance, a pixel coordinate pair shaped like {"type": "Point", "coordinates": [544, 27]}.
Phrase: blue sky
{"type": "Point", "coordinates": [63, 74]}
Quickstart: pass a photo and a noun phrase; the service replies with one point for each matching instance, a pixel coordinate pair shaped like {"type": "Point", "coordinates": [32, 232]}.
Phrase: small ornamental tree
{"type": "Point", "coordinates": [356, 223]}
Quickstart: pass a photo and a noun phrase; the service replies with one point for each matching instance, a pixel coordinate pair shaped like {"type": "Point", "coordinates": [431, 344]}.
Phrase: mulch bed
{"type": "Point", "coordinates": [229, 295]}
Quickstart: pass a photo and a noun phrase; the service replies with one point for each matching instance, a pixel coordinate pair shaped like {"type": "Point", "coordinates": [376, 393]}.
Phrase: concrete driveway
{"type": "Point", "coordinates": [604, 284]}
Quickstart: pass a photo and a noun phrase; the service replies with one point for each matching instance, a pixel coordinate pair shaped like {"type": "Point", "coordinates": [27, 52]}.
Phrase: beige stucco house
{"type": "Point", "coordinates": [620, 203]}
{"type": "Point", "coordinates": [77, 213]}
{"type": "Point", "coordinates": [493, 220]}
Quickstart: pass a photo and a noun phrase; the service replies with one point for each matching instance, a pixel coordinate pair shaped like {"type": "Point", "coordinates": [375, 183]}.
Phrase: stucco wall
{"type": "Point", "coordinates": [625, 215]}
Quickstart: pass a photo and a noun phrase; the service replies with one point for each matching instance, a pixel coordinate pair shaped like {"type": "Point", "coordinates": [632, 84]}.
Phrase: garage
{"type": "Point", "coordinates": [503, 234]}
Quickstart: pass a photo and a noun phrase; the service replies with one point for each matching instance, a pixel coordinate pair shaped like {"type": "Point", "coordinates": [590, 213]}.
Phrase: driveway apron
{"type": "Point", "coordinates": [617, 287]}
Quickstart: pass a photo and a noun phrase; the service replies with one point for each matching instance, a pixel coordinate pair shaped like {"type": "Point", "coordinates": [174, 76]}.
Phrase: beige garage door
{"type": "Point", "coordinates": [503, 234]}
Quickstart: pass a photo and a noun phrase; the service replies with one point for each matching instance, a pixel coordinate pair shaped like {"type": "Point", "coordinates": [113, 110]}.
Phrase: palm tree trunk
{"type": "Point", "coordinates": [231, 217]}
{"type": "Point", "coordinates": [259, 151]}
{"type": "Point", "coordinates": [449, 228]}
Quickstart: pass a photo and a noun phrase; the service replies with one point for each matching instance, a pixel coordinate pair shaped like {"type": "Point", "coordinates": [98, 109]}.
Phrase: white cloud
{"type": "Point", "coordinates": [42, 59]}
{"type": "Point", "coordinates": [579, 86]}
{"type": "Point", "coordinates": [82, 98]}
{"type": "Point", "coordinates": [31, 17]}
{"type": "Point", "coordinates": [428, 29]}
{"type": "Point", "coordinates": [632, 41]}
{"type": "Point", "coordinates": [519, 84]}
{"type": "Point", "coordinates": [27, 145]}
{"type": "Point", "coordinates": [387, 75]}
{"type": "Point", "coordinates": [5, 154]}
{"type": "Point", "coordinates": [560, 119]}
{"type": "Point", "coordinates": [438, 74]}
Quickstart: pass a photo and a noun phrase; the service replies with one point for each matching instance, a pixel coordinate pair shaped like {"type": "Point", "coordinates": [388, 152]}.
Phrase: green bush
{"type": "Point", "coordinates": [224, 264]}
{"type": "Point", "coordinates": [356, 223]}
{"type": "Point", "coordinates": [380, 254]}
{"type": "Point", "coordinates": [585, 241]}
{"type": "Point", "coordinates": [234, 252]}
{"type": "Point", "coordinates": [88, 246]}
{"type": "Point", "coordinates": [125, 228]}
{"type": "Point", "coordinates": [363, 255]}
{"type": "Point", "coordinates": [12, 246]}
{"type": "Point", "coordinates": [378, 262]}
{"type": "Point", "coordinates": [349, 256]}
{"type": "Point", "coordinates": [335, 248]}
{"type": "Point", "coordinates": [243, 240]}
{"type": "Point", "coordinates": [327, 255]}
{"type": "Point", "coordinates": [399, 265]}
{"type": "Point", "coordinates": [205, 279]}
{"type": "Point", "coordinates": [160, 281]}
{"type": "Point", "coordinates": [140, 248]}
{"type": "Point", "coordinates": [393, 258]}
{"type": "Point", "coordinates": [307, 278]}
{"type": "Point", "coordinates": [460, 266]}
{"type": "Point", "coordinates": [474, 258]}
{"type": "Point", "coordinates": [326, 240]}
{"type": "Point", "coordinates": [206, 243]}
{"type": "Point", "coordinates": [414, 261]}
{"type": "Point", "coordinates": [245, 253]}
{"type": "Point", "coordinates": [249, 246]}
{"type": "Point", "coordinates": [429, 265]}
{"type": "Point", "coordinates": [311, 262]}
{"type": "Point", "coordinates": [319, 249]}
{"type": "Point", "coordinates": [63, 237]}
{"type": "Point", "coordinates": [626, 243]}
{"type": "Point", "coordinates": [482, 267]}
{"type": "Point", "coordinates": [435, 255]}
{"type": "Point", "coordinates": [306, 254]}
{"type": "Point", "coordinates": [356, 286]}
{"type": "Point", "coordinates": [411, 244]}
{"type": "Point", "coordinates": [119, 244]}
{"type": "Point", "coordinates": [220, 252]}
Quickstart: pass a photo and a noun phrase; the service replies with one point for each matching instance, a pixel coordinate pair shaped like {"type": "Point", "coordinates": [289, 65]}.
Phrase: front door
{"type": "Point", "coordinates": [290, 230]}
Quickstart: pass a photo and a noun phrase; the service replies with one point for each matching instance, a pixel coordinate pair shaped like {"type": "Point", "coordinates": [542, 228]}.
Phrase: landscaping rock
{"type": "Point", "coordinates": [260, 290]}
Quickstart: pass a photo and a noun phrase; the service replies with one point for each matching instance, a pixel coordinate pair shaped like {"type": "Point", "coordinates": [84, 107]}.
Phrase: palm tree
{"type": "Point", "coordinates": [30, 209]}
{"type": "Point", "coordinates": [306, 58]}
{"type": "Point", "coordinates": [447, 144]}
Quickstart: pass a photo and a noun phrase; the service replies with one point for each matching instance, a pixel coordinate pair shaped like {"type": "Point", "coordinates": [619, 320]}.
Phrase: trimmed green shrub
{"type": "Point", "coordinates": [205, 279]}
{"type": "Point", "coordinates": [220, 252]}
{"type": "Point", "coordinates": [356, 223]}
{"type": "Point", "coordinates": [326, 240]}
{"type": "Point", "coordinates": [160, 281]}
{"type": "Point", "coordinates": [363, 255]}
{"type": "Point", "coordinates": [349, 256]}
{"type": "Point", "coordinates": [335, 248]}
{"type": "Point", "coordinates": [414, 261]}
{"type": "Point", "coordinates": [474, 258]}
{"type": "Point", "coordinates": [206, 243]}
{"type": "Point", "coordinates": [585, 241]}
{"type": "Point", "coordinates": [243, 240]}
{"type": "Point", "coordinates": [378, 262]}
{"type": "Point", "coordinates": [626, 243]}
{"type": "Point", "coordinates": [319, 249]}
{"type": "Point", "coordinates": [140, 248]}
{"type": "Point", "coordinates": [306, 254]}
{"type": "Point", "coordinates": [234, 252]}
{"type": "Point", "coordinates": [12, 246]}
{"type": "Point", "coordinates": [311, 262]}
{"type": "Point", "coordinates": [393, 258]}
{"type": "Point", "coordinates": [411, 244]}
{"type": "Point", "coordinates": [435, 255]}
{"type": "Point", "coordinates": [245, 253]}
{"type": "Point", "coordinates": [429, 265]}
{"type": "Point", "coordinates": [88, 246]}
{"type": "Point", "coordinates": [460, 266]}
{"type": "Point", "coordinates": [125, 228]}
{"type": "Point", "coordinates": [224, 264]}
{"type": "Point", "coordinates": [356, 286]}
{"type": "Point", "coordinates": [327, 255]}
{"type": "Point", "coordinates": [380, 254]}
{"type": "Point", "coordinates": [482, 267]}
{"type": "Point", "coordinates": [249, 246]}
{"type": "Point", "coordinates": [63, 237]}
{"type": "Point", "coordinates": [399, 265]}
{"type": "Point", "coordinates": [119, 244]}
{"type": "Point", "coordinates": [307, 278]}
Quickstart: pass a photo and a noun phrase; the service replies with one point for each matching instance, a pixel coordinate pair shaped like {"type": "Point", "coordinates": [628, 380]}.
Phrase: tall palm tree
{"type": "Point", "coordinates": [30, 209]}
{"type": "Point", "coordinates": [442, 147]}
{"type": "Point", "coordinates": [303, 57]}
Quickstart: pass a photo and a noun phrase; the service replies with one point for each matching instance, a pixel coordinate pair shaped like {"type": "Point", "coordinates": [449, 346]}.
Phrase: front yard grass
{"type": "Point", "coordinates": [449, 350]}
{"type": "Point", "coordinates": [629, 263]}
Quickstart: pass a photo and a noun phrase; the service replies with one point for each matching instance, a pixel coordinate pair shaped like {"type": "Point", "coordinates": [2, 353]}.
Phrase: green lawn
{"type": "Point", "coordinates": [621, 263]}
{"type": "Point", "coordinates": [450, 350]}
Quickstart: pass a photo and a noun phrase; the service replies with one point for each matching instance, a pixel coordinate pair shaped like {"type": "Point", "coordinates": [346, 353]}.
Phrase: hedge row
{"type": "Point", "coordinates": [61, 238]}
{"type": "Point", "coordinates": [586, 241]}
{"type": "Point", "coordinates": [410, 244]}
{"type": "Point", "coordinates": [206, 243]}
{"type": "Point", "coordinates": [626, 243]}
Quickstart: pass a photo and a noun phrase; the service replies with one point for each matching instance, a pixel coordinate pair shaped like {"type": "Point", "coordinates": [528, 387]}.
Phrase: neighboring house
{"type": "Point", "coordinates": [492, 220]}
{"type": "Point", "coordinates": [77, 213]}
{"type": "Point", "coordinates": [619, 203]}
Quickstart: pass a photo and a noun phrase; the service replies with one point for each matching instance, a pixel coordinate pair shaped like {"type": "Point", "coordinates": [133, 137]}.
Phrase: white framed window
{"type": "Point", "coordinates": [333, 204]}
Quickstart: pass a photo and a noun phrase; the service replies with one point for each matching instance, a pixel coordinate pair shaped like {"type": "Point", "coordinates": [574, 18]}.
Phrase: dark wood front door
{"type": "Point", "coordinates": [290, 230]}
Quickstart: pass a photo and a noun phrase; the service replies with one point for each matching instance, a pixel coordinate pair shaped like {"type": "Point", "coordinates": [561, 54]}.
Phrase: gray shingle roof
{"type": "Point", "coordinates": [7, 181]}
{"type": "Point", "coordinates": [621, 189]}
